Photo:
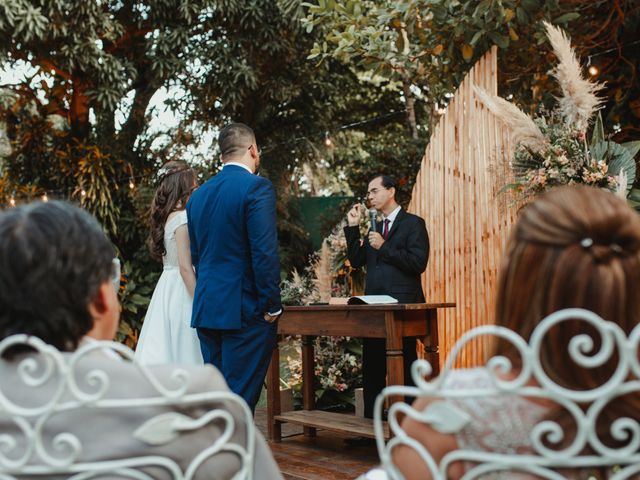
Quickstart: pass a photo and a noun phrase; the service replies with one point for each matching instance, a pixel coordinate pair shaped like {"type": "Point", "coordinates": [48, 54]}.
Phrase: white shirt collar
{"type": "Point", "coordinates": [87, 340]}
{"type": "Point", "coordinates": [238, 164]}
{"type": "Point", "coordinates": [392, 216]}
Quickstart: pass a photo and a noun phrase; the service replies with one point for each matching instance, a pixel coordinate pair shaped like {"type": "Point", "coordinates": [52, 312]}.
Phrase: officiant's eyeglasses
{"type": "Point", "coordinates": [115, 275]}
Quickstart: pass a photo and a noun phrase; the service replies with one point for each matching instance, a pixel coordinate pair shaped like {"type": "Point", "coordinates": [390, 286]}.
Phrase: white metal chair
{"type": "Point", "coordinates": [35, 443]}
{"type": "Point", "coordinates": [542, 461]}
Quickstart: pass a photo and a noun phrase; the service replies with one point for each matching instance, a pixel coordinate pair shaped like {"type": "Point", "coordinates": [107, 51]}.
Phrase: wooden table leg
{"type": "Point", "coordinates": [274, 428]}
{"type": "Point", "coordinates": [395, 359]}
{"type": "Point", "coordinates": [308, 380]}
{"type": "Point", "coordinates": [431, 350]}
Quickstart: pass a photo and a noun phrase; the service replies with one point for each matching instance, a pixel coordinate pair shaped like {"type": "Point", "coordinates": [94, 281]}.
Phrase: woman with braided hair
{"type": "Point", "coordinates": [167, 336]}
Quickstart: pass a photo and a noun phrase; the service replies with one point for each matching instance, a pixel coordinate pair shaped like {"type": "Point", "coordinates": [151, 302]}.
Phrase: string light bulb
{"type": "Point", "coordinates": [327, 140]}
{"type": "Point", "coordinates": [12, 201]}
{"type": "Point", "coordinates": [83, 193]}
{"type": "Point", "coordinates": [131, 184]}
{"type": "Point", "coordinates": [45, 199]}
{"type": "Point", "coordinates": [592, 69]}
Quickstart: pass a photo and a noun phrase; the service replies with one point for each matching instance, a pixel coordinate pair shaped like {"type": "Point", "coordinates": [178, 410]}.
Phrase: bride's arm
{"type": "Point", "coordinates": [184, 259]}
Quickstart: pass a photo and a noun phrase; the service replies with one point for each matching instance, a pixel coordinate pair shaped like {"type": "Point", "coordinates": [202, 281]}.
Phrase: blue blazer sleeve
{"type": "Point", "coordinates": [263, 242]}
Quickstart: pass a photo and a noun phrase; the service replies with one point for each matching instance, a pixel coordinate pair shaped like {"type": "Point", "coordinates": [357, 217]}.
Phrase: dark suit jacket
{"type": "Point", "coordinates": [234, 249]}
{"type": "Point", "coordinates": [395, 268]}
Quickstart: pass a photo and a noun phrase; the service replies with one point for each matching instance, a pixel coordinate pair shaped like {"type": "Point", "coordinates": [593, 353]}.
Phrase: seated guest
{"type": "Point", "coordinates": [58, 282]}
{"type": "Point", "coordinates": [571, 247]}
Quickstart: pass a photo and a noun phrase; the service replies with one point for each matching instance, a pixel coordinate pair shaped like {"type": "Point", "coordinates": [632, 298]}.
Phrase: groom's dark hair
{"type": "Point", "coordinates": [53, 259]}
{"type": "Point", "coordinates": [235, 138]}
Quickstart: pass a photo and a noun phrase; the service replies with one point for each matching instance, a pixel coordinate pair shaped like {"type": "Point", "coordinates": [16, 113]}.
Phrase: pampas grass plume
{"type": "Point", "coordinates": [579, 100]}
{"type": "Point", "coordinates": [523, 129]}
{"type": "Point", "coordinates": [322, 273]}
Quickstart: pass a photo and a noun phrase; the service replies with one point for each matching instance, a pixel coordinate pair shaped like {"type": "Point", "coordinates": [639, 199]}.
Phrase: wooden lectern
{"type": "Point", "coordinates": [392, 322]}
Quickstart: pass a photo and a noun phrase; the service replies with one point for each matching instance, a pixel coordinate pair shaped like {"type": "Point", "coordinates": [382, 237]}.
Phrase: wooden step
{"type": "Point", "coordinates": [335, 422]}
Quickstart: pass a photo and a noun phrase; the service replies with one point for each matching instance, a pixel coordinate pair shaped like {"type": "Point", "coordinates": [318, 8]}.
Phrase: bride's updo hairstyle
{"type": "Point", "coordinates": [176, 182]}
{"type": "Point", "coordinates": [578, 247]}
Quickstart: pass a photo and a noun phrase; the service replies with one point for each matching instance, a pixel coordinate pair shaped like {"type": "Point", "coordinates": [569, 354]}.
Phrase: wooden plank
{"type": "Point", "coordinates": [378, 307]}
{"type": "Point", "coordinates": [334, 422]}
{"type": "Point", "coordinates": [368, 322]}
{"type": "Point", "coordinates": [457, 195]}
{"type": "Point", "coordinates": [317, 458]}
{"type": "Point", "coordinates": [308, 379]}
{"type": "Point", "coordinates": [274, 431]}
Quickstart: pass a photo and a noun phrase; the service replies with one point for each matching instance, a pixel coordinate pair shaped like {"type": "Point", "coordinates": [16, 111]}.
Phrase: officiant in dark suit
{"type": "Point", "coordinates": [395, 253]}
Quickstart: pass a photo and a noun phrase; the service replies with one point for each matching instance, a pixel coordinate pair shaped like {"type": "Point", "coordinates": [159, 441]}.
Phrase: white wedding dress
{"type": "Point", "coordinates": [166, 335]}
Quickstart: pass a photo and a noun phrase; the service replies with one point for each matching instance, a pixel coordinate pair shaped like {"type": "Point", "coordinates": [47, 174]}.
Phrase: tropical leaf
{"type": "Point", "coordinates": [632, 147]}
{"type": "Point", "coordinates": [598, 131]}
{"type": "Point", "coordinates": [618, 158]}
{"type": "Point", "coordinates": [634, 198]}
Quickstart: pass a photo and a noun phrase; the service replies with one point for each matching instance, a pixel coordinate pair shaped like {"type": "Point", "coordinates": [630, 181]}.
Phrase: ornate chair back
{"type": "Point", "coordinates": [67, 415]}
{"type": "Point", "coordinates": [550, 454]}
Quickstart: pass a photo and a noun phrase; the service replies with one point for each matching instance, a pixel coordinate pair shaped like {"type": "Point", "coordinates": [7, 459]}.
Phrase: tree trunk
{"type": "Point", "coordinates": [135, 122]}
{"type": "Point", "coordinates": [79, 110]}
{"type": "Point", "coordinates": [411, 107]}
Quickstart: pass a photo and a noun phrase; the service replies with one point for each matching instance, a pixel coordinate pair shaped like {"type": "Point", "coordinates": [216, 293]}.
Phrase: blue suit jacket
{"type": "Point", "coordinates": [234, 249]}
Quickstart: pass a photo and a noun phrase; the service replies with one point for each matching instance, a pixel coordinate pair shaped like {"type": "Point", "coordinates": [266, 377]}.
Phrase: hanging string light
{"type": "Point", "coordinates": [83, 193]}
{"type": "Point", "coordinates": [132, 184]}
{"type": "Point", "coordinates": [44, 197]}
{"type": "Point", "coordinates": [327, 140]}
{"type": "Point", "coordinates": [12, 201]}
{"type": "Point", "coordinates": [592, 69]}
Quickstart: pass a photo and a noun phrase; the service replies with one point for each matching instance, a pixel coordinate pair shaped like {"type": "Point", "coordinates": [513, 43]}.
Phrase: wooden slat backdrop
{"type": "Point", "coordinates": [457, 192]}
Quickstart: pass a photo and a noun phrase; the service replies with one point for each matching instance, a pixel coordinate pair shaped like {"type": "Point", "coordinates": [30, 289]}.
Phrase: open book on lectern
{"type": "Point", "coordinates": [371, 300]}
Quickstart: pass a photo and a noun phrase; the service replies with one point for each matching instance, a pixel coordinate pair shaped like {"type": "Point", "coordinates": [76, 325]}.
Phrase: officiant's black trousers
{"type": "Point", "coordinates": [374, 368]}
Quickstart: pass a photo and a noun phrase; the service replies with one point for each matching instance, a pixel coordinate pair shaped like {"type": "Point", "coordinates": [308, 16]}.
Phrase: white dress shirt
{"type": "Point", "coordinates": [238, 164]}
{"type": "Point", "coordinates": [392, 216]}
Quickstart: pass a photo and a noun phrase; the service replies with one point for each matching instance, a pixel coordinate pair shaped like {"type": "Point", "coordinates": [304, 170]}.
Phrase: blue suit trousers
{"type": "Point", "coordinates": [248, 348]}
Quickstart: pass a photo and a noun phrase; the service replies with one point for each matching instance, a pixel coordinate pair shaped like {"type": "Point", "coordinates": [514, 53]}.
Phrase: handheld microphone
{"type": "Point", "coordinates": [373, 213]}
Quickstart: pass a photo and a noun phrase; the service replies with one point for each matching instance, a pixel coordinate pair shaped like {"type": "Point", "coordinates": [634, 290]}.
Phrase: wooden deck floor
{"type": "Point", "coordinates": [325, 457]}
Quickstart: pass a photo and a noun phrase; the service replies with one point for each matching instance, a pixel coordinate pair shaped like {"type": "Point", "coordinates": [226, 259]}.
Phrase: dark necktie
{"type": "Point", "coordinates": [385, 231]}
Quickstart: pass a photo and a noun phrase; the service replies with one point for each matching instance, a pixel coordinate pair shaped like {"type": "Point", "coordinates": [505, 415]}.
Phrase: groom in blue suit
{"type": "Point", "coordinates": [234, 249]}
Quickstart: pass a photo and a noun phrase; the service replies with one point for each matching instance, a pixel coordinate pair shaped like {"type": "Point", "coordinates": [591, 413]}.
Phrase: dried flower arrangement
{"type": "Point", "coordinates": [552, 149]}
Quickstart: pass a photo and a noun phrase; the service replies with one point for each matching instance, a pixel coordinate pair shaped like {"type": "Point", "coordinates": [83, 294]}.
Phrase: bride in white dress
{"type": "Point", "coordinates": [166, 335]}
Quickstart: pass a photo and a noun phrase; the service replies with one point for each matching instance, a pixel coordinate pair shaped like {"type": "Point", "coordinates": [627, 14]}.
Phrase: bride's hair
{"type": "Point", "coordinates": [175, 184]}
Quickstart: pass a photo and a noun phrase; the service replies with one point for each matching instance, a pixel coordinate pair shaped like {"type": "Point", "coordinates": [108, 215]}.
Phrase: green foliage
{"type": "Point", "coordinates": [431, 43]}
{"type": "Point", "coordinates": [135, 294]}
{"type": "Point", "coordinates": [338, 370]}
{"type": "Point", "coordinates": [388, 150]}
{"type": "Point", "coordinates": [230, 60]}
{"type": "Point", "coordinates": [618, 160]}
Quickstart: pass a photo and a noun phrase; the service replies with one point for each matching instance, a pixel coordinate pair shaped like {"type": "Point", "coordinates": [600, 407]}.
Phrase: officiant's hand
{"type": "Point", "coordinates": [375, 240]}
{"type": "Point", "coordinates": [353, 217]}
